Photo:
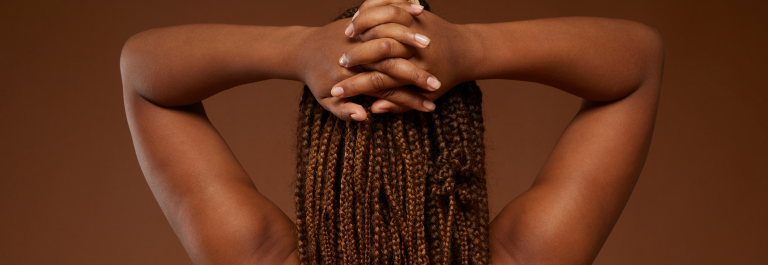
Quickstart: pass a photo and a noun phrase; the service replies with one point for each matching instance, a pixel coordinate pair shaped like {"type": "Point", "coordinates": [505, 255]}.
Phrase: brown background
{"type": "Point", "coordinates": [72, 192]}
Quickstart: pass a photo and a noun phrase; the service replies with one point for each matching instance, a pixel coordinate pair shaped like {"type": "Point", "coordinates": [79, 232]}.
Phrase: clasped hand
{"type": "Point", "coordinates": [387, 46]}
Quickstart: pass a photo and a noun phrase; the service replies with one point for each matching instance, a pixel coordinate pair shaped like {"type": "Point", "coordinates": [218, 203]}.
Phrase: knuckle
{"type": "Point", "coordinates": [387, 65]}
{"type": "Point", "coordinates": [385, 47]}
{"type": "Point", "coordinates": [386, 93]}
{"type": "Point", "coordinates": [377, 81]}
{"type": "Point", "coordinates": [419, 76]}
{"type": "Point", "coordinates": [394, 12]}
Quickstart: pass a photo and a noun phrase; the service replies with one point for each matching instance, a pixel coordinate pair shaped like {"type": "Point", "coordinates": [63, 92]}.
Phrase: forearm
{"type": "Point", "coordinates": [185, 64]}
{"type": "Point", "coordinates": [594, 58]}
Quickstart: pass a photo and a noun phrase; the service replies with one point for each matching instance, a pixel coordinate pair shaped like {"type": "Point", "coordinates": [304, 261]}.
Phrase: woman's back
{"type": "Point", "coordinates": [394, 188]}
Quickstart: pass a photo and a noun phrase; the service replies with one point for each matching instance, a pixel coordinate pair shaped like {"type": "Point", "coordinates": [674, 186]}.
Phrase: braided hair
{"type": "Point", "coordinates": [404, 188]}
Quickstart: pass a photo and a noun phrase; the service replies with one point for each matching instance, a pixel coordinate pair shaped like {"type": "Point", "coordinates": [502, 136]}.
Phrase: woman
{"type": "Point", "coordinates": [564, 218]}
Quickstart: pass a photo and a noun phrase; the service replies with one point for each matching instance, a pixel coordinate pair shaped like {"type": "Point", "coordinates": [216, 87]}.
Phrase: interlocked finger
{"type": "Point", "coordinates": [377, 16]}
{"type": "Point", "coordinates": [383, 105]}
{"type": "Point", "coordinates": [405, 70]}
{"type": "Point", "coordinates": [375, 50]}
{"type": "Point", "coordinates": [381, 85]}
{"type": "Point", "coordinates": [397, 32]}
{"type": "Point", "coordinates": [343, 108]}
{"type": "Point", "coordinates": [412, 6]}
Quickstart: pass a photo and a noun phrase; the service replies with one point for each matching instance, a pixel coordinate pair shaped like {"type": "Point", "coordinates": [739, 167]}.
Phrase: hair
{"type": "Point", "coordinates": [404, 188]}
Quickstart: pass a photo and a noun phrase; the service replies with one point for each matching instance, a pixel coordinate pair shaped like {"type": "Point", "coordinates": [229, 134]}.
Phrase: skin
{"type": "Point", "coordinates": [563, 218]}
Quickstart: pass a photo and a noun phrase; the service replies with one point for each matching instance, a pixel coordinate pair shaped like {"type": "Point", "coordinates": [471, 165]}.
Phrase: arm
{"type": "Point", "coordinates": [183, 65]}
{"type": "Point", "coordinates": [209, 200]}
{"type": "Point", "coordinates": [580, 192]}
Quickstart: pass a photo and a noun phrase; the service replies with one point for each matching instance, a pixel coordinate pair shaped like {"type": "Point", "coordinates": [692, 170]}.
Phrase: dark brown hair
{"type": "Point", "coordinates": [403, 188]}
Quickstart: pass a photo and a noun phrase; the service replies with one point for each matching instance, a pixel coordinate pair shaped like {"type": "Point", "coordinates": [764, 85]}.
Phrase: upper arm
{"type": "Point", "coordinates": [580, 192]}
{"type": "Point", "coordinates": [206, 195]}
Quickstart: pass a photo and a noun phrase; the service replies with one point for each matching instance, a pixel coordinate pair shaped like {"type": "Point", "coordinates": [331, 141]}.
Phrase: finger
{"type": "Point", "coordinates": [383, 105]}
{"type": "Point", "coordinates": [377, 16]}
{"type": "Point", "coordinates": [397, 32]}
{"type": "Point", "coordinates": [411, 6]}
{"type": "Point", "coordinates": [375, 50]}
{"type": "Point", "coordinates": [344, 109]}
{"type": "Point", "coordinates": [405, 71]}
{"type": "Point", "coordinates": [380, 85]}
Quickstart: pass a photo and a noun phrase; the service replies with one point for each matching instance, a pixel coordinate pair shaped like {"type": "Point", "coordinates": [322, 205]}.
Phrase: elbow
{"type": "Point", "coordinates": [652, 65]}
{"type": "Point", "coordinates": [131, 66]}
{"type": "Point", "coordinates": [633, 59]}
{"type": "Point", "coordinates": [647, 63]}
{"type": "Point", "coordinates": [137, 68]}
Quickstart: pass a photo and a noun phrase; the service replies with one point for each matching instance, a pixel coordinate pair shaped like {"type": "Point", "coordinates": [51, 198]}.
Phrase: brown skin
{"type": "Point", "coordinates": [564, 218]}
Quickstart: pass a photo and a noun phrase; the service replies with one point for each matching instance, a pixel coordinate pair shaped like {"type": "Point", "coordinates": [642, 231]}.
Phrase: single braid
{"type": "Point", "coordinates": [391, 185]}
{"type": "Point", "coordinates": [328, 213]}
{"type": "Point", "coordinates": [319, 207]}
{"type": "Point", "coordinates": [377, 221]}
{"type": "Point", "coordinates": [310, 186]}
{"type": "Point", "coordinates": [415, 192]}
{"type": "Point", "coordinates": [361, 158]}
{"type": "Point", "coordinates": [302, 151]}
{"type": "Point", "coordinates": [346, 198]}
{"type": "Point", "coordinates": [408, 173]}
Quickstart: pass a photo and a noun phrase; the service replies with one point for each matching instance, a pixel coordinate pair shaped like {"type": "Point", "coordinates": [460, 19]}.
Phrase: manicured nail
{"type": "Point", "coordinates": [337, 92]}
{"type": "Point", "coordinates": [379, 110]}
{"type": "Point", "coordinates": [357, 117]}
{"type": "Point", "coordinates": [433, 83]}
{"type": "Point", "coordinates": [429, 105]}
{"type": "Point", "coordinates": [343, 60]}
{"type": "Point", "coordinates": [421, 39]}
{"type": "Point", "coordinates": [356, 13]}
{"type": "Point", "coordinates": [350, 30]}
{"type": "Point", "coordinates": [417, 7]}
{"type": "Point", "coordinates": [385, 106]}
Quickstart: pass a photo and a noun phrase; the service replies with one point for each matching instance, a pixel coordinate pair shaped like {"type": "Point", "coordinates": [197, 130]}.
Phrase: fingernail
{"type": "Point", "coordinates": [350, 30]}
{"type": "Point", "coordinates": [429, 105]}
{"type": "Point", "coordinates": [356, 13]}
{"type": "Point", "coordinates": [357, 117]}
{"type": "Point", "coordinates": [337, 92]}
{"type": "Point", "coordinates": [421, 39]}
{"type": "Point", "coordinates": [433, 83]}
{"type": "Point", "coordinates": [417, 7]}
{"type": "Point", "coordinates": [379, 110]}
{"type": "Point", "coordinates": [385, 106]}
{"type": "Point", "coordinates": [343, 60]}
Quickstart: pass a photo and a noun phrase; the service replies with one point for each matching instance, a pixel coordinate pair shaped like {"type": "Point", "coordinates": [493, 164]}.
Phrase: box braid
{"type": "Point", "coordinates": [405, 188]}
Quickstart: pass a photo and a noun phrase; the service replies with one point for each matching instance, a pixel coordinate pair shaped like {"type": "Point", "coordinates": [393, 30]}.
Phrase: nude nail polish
{"type": "Point", "coordinates": [350, 30]}
{"type": "Point", "coordinates": [337, 91]}
{"type": "Point", "coordinates": [421, 39]}
{"type": "Point", "coordinates": [343, 60]}
{"type": "Point", "coordinates": [433, 83]}
{"type": "Point", "coordinates": [429, 105]}
{"type": "Point", "coordinates": [417, 7]}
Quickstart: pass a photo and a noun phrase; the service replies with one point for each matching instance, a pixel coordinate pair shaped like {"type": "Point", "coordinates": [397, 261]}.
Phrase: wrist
{"type": "Point", "coordinates": [291, 56]}
{"type": "Point", "coordinates": [470, 51]}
